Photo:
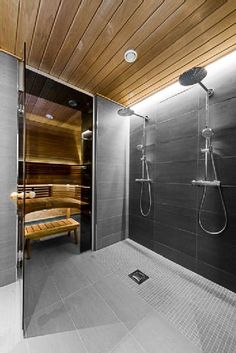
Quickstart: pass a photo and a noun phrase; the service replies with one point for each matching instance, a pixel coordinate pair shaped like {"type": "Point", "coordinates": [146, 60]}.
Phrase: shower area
{"type": "Point", "coordinates": [190, 150]}
{"type": "Point", "coordinates": [172, 262]}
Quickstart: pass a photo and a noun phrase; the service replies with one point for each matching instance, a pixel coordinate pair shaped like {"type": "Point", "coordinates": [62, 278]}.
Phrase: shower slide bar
{"type": "Point", "coordinates": [205, 183]}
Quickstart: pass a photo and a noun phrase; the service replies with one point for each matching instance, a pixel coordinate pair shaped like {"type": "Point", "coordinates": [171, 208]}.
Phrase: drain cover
{"type": "Point", "coordinates": [138, 276]}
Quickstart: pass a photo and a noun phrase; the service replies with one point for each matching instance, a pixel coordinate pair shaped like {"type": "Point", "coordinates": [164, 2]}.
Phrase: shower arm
{"type": "Point", "coordinates": [141, 116]}
{"type": "Point", "coordinates": [209, 91]}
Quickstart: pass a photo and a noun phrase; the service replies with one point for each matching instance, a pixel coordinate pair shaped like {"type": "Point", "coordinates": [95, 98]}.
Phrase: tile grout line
{"type": "Point", "coordinates": [128, 330]}
{"type": "Point", "coordinates": [70, 317]}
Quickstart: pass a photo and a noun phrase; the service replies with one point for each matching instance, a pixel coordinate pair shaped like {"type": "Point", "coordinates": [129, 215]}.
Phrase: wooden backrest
{"type": "Point", "coordinates": [68, 210]}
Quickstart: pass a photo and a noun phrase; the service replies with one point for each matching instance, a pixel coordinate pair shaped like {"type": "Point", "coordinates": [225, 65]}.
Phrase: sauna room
{"type": "Point", "coordinates": [56, 172]}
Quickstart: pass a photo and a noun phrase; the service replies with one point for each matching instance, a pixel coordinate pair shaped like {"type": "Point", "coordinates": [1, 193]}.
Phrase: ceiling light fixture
{"type": "Point", "coordinates": [49, 116]}
{"type": "Point", "coordinates": [72, 103]}
{"type": "Point", "coordinates": [130, 55]}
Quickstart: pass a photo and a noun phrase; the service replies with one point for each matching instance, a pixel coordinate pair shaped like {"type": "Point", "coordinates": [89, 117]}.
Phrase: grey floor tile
{"type": "Point", "coordinates": [34, 275]}
{"type": "Point", "coordinates": [128, 345]}
{"type": "Point", "coordinates": [21, 347]}
{"type": "Point", "coordinates": [98, 327]}
{"type": "Point", "coordinates": [59, 249]}
{"type": "Point", "coordinates": [39, 294]}
{"type": "Point", "coordinates": [198, 309]}
{"type": "Point", "coordinates": [156, 334]}
{"type": "Point", "coordinates": [68, 277]}
{"type": "Point", "coordinates": [63, 342]}
{"type": "Point", "coordinates": [91, 268]}
{"type": "Point", "coordinates": [50, 320]}
{"type": "Point", "coordinates": [127, 305]}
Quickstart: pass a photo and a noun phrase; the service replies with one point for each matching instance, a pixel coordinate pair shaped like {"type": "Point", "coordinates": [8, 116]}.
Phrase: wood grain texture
{"type": "Point", "coordinates": [83, 41]}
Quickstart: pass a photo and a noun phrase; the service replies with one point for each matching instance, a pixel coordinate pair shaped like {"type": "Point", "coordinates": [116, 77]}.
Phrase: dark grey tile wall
{"type": "Point", "coordinates": [8, 170]}
{"type": "Point", "coordinates": [112, 170]}
{"type": "Point", "coordinates": [174, 142]}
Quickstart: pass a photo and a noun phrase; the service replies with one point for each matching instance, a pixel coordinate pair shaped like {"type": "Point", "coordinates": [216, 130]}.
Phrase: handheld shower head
{"type": "Point", "coordinates": [207, 133]}
{"type": "Point", "coordinates": [193, 76]}
{"type": "Point", "coordinates": [139, 147]}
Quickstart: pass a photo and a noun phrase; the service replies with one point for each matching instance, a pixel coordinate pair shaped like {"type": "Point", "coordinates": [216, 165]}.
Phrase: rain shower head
{"type": "Point", "coordinates": [129, 112]}
{"type": "Point", "coordinates": [193, 76]}
{"type": "Point", "coordinates": [125, 112]}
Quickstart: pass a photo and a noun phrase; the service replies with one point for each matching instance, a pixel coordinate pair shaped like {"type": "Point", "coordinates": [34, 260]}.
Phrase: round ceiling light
{"type": "Point", "coordinates": [72, 103]}
{"type": "Point", "coordinates": [130, 55]}
{"type": "Point", "coordinates": [49, 116]}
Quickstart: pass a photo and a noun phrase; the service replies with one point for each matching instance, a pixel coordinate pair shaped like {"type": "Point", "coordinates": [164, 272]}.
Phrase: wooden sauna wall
{"type": "Point", "coordinates": [45, 143]}
{"type": "Point", "coordinates": [47, 173]}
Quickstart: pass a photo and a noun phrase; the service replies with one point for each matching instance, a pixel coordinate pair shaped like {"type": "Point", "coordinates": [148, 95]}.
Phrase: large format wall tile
{"type": "Point", "coordinates": [168, 214]}
{"type": "Point", "coordinates": [175, 159]}
{"type": "Point", "coordinates": [183, 126]}
{"type": "Point", "coordinates": [8, 162]}
{"type": "Point", "coordinates": [175, 238]}
{"type": "Point", "coordinates": [182, 172]}
{"type": "Point", "coordinates": [176, 195]}
{"type": "Point", "coordinates": [111, 164]}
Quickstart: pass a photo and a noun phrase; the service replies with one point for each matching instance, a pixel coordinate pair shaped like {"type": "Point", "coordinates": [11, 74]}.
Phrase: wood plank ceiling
{"type": "Point", "coordinates": [83, 41]}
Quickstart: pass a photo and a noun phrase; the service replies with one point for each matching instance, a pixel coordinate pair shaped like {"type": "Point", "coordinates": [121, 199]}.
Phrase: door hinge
{"type": "Point", "coordinates": [20, 256]}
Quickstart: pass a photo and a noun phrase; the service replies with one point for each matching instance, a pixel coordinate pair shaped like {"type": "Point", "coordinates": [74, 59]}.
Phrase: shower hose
{"type": "Point", "coordinates": [145, 214]}
{"type": "Point", "coordinates": [203, 201]}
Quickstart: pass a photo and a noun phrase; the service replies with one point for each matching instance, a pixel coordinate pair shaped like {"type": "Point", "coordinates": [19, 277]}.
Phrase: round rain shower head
{"type": "Point", "coordinates": [207, 132]}
{"type": "Point", "coordinates": [125, 112]}
{"type": "Point", "coordinates": [192, 76]}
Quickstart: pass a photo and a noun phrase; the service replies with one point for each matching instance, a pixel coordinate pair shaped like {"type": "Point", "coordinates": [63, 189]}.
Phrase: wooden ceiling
{"type": "Point", "coordinates": [63, 117]}
{"type": "Point", "coordinates": [83, 41]}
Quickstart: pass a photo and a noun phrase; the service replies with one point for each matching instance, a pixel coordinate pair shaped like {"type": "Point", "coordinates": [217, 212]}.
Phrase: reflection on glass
{"type": "Point", "coordinates": [57, 195]}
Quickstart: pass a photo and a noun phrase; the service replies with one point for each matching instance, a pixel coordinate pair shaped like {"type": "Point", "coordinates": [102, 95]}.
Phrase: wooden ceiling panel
{"type": "Point", "coordinates": [132, 26]}
{"type": "Point", "coordinates": [169, 55]}
{"type": "Point", "coordinates": [64, 20]}
{"type": "Point", "coordinates": [117, 21]}
{"type": "Point", "coordinates": [93, 31]}
{"type": "Point", "coordinates": [47, 13]}
{"type": "Point", "coordinates": [168, 31]}
{"type": "Point", "coordinates": [28, 12]}
{"type": "Point", "coordinates": [78, 27]}
{"type": "Point", "coordinates": [182, 55]}
{"type": "Point", "coordinates": [38, 107]}
{"type": "Point", "coordinates": [143, 36]}
{"type": "Point", "coordinates": [83, 41]}
{"type": "Point", "coordinates": [8, 24]}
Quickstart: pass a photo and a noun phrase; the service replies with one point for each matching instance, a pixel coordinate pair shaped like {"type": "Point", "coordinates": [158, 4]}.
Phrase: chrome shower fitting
{"type": "Point", "coordinates": [145, 179]}
{"type": "Point", "coordinates": [191, 77]}
{"type": "Point", "coordinates": [207, 132]}
{"type": "Point", "coordinates": [139, 147]}
{"type": "Point", "coordinates": [129, 112]}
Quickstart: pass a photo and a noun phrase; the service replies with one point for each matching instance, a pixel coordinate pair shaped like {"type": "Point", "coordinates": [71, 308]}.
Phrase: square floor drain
{"type": "Point", "coordinates": [138, 276]}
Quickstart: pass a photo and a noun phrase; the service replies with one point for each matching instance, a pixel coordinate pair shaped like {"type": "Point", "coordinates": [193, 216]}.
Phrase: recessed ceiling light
{"type": "Point", "coordinates": [49, 116]}
{"type": "Point", "coordinates": [72, 103]}
{"type": "Point", "coordinates": [130, 55]}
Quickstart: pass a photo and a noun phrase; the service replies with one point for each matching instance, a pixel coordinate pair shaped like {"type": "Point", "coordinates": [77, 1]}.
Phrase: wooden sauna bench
{"type": "Point", "coordinates": [46, 229]}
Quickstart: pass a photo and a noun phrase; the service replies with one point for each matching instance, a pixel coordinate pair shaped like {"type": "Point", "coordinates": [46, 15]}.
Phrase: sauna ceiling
{"type": "Point", "coordinates": [83, 41]}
